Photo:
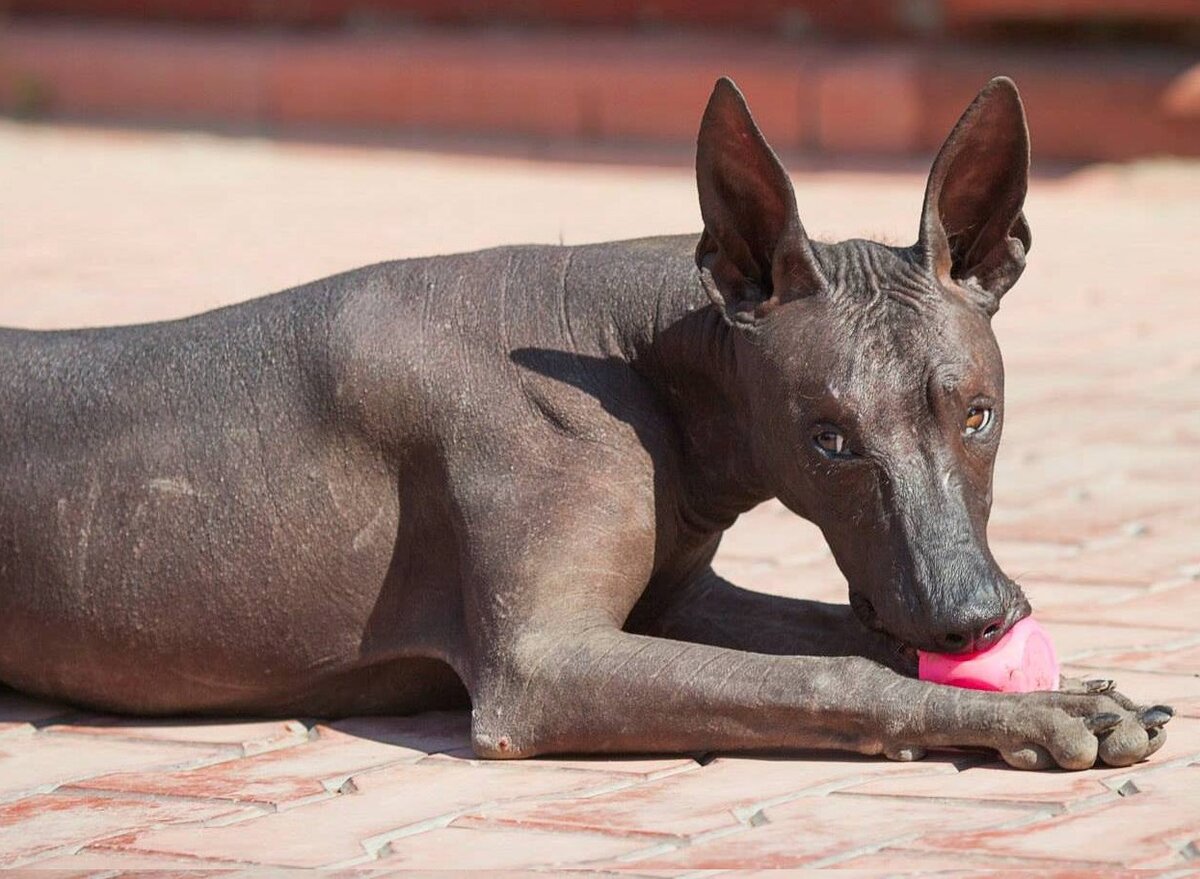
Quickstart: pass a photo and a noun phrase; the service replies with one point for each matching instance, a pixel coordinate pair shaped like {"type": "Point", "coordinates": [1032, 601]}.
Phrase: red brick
{"type": "Point", "coordinates": [993, 782]}
{"type": "Point", "coordinates": [1075, 602]}
{"type": "Point", "coordinates": [251, 737]}
{"type": "Point", "coordinates": [387, 801]}
{"type": "Point", "coordinates": [1180, 660]}
{"type": "Point", "coordinates": [1081, 643]}
{"type": "Point", "coordinates": [978, 866]}
{"type": "Point", "coordinates": [645, 767]}
{"type": "Point", "coordinates": [87, 863]}
{"type": "Point", "coordinates": [651, 91]}
{"type": "Point", "coordinates": [1146, 828]}
{"type": "Point", "coordinates": [1175, 606]}
{"type": "Point", "coordinates": [581, 85]}
{"type": "Point", "coordinates": [171, 76]}
{"type": "Point", "coordinates": [1072, 99]}
{"type": "Point", "coordinates": [719, 796]}
{"type": "Point", "coordinates": [1182, 99]}
{"type": "Point", "coordinates": [443, 85]}
{"type": "Point", "coordinates": [870, 103]}
{"type": "Point", "coordinates": [41, 762]}
{"type": "Point", "coordinates": [1095, 510]}
{"type": "Point", "coordinates": [963, 12]}
{"type": "Point", "coordinates": [277, 778]}
{"type": "Point", "coordinates": [812, 829]}
{"type": "Point", "coordinates": [464, 848]}
{"type": "Point", "coordinates": [46, 822]}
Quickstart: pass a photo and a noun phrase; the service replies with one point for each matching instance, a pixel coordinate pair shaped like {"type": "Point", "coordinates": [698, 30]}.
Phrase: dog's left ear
{"type": "Point", "coordinates": [973, 231]}
{"type": "Point", "coordinates": [753, 241]}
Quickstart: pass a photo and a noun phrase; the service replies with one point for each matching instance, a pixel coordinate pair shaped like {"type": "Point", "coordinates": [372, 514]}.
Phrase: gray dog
{"type": "Point", "coordinates": [501, 477]}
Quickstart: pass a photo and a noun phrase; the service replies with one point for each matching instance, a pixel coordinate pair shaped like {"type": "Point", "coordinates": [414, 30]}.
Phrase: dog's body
{"type": "Point", "coordinates": [504, 475]}
{"type": "Point", "coordinates": [279, 501]}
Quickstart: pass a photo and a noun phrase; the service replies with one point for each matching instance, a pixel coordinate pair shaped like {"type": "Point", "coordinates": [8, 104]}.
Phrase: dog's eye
{"type": "Point", "coordinates": [978, 420]}
{"type": "Point", "coordinates": [832, 443]}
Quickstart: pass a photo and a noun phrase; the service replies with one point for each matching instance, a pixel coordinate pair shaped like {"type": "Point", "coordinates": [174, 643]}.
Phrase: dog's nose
{"type": "Point", "coordinates": [976, 632]}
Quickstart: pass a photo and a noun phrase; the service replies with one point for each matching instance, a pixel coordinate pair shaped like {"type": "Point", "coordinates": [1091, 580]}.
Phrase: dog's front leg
{"type": "Point", "coordinates": [711, 610]}
{"type": "Point", "coordinates": [599, 689]}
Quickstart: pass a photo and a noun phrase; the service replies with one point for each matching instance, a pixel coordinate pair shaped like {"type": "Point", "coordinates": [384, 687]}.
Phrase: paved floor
{"type": "Point", "coordinates": [1097, 511]}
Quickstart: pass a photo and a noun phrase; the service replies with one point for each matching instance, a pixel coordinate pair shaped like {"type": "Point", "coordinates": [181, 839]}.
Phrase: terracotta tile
{"type": "Point", "coordinates": [686, 804]}
{"type": "Point", "coordinates": [640, 766]}
{"type": "Point", "coordinates": [45, 822]}
{"type": "Point", "coordinates": [1077, 514]}
{"type": "Point", "coordinates": [1083, 643]}
{"type": "Point", "coordinates": [1146, 558]}
{"type": "Point", "coordinates": [955, 864]}
{"type": "Point", "coordinates": [88, 863]}
{"type": "Point", "coordinates": [1176, 606]}
{"type": "Point", "coordinates": [1130, 831]}
{"type": "Point", "coordinates": [42, 762]}
{"type": "Point", "coordinates": [993, 782]}
{"type": "Point", "coordinates": [1079, 602]}
{"type": "Point", "coordinates": [774, 534]}
{"type": "Point", "coordinates": [812, 829]}
{"type": "Point", "coordinates": [335, 830]}
{"type": "Point", "coordinates": [462, 848]}
{"type": "Point", "coordinates": [1183, 660]}
{"type": "Point", "coordinates": [274, 778]}
{"type": "Point", "coordinates": [251, 737]}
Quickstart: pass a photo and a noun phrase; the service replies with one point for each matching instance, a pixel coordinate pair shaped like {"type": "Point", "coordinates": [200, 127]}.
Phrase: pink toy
{"type": "Point", "coordinates": [1022, 661]}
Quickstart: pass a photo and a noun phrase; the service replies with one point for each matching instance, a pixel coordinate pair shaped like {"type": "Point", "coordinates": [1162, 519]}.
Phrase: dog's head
{"type": "Point", "coordinates": [870, 373]}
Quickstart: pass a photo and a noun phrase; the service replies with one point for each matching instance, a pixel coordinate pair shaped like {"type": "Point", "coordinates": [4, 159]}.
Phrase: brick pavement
{"type": "Point", "coordinates": [1096, 511]}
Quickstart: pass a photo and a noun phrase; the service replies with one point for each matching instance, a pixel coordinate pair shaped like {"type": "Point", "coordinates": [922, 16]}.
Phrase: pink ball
{"type": "Point", "coordinates": [1022, 661]}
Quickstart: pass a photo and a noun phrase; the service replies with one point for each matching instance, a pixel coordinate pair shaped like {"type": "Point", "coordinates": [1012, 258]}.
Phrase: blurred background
{"type": "Point", "coordinates": [1104, 79]}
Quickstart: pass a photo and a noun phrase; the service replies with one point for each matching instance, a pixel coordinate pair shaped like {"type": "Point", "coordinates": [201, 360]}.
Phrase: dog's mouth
{"type": "Point", "coordinates": [906, 654]}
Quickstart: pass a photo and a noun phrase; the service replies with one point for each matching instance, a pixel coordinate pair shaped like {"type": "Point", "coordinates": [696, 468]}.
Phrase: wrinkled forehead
{"type": "Point", "coordinates": [894, 333]}
{"type": "Point", "coordinates": [868, 273]}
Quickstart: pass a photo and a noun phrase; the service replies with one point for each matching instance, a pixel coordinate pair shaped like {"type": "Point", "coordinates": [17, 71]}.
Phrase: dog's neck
{"type": "Point", "coordinates": [681, 344]}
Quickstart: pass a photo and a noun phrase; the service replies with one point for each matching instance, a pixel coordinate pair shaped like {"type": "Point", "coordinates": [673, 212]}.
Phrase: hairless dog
{"type": "Point", "coordinates": [500, 478]}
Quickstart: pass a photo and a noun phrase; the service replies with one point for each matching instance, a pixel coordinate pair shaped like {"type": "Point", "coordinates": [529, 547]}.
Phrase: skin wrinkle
{"type": "Point", "coordinates": [565, 309]}
{"type": "Point", "coordinates": [164, 399]}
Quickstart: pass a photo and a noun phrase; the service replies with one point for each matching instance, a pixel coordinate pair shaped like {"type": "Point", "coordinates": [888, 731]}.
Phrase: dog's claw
{"type": "Point", "coordinates": [1156, 716]}
{"type": "Point", "coordinates": [1099, 723]}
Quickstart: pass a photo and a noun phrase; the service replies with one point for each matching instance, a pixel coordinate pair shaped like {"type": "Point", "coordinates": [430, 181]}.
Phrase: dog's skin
{"type": "Point", "coordinates": [503, 476]}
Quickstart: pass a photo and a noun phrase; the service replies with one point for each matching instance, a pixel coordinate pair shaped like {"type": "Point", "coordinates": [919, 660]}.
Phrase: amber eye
{"type": "Point", "coordinates": [832, 443]}
{"type": "Point", "coordinates": [978, 419]}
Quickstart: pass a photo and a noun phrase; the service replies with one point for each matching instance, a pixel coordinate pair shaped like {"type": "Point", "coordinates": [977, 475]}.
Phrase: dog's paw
{"type": "Point", "coordinates": [1083, 723]}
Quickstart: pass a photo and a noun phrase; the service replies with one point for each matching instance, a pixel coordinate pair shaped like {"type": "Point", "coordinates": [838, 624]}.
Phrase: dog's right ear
{"type": "Point", "coordinates": [973, 230]}
{"type": "Point", "coordinates": [753, 242]}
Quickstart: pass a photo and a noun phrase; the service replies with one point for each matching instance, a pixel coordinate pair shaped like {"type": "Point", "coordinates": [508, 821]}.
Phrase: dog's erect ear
{"type": "Point", "coordinates": [972, 228]}
{"type": "Point", "coordinates": [753, 242]}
